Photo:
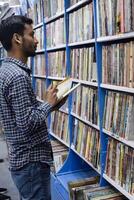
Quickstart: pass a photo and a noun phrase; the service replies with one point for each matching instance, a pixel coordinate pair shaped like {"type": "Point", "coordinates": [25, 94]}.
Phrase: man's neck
{"type": "Point", "coordinates": [18, 57]}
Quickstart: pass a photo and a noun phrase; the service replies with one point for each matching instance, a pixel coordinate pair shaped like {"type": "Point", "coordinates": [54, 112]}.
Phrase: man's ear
{"type": "Point", "coordinates": [17, 38]}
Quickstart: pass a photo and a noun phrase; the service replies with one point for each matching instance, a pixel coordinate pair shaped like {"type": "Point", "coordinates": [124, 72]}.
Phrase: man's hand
{"type": "Point", "coordinates": [51, 95]}
{"type": "Point", "coordinates": [60, 103]}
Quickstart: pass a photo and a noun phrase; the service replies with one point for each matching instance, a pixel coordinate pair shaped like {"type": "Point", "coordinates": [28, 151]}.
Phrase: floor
{"type": "Point", "coordinates": [5, 178]}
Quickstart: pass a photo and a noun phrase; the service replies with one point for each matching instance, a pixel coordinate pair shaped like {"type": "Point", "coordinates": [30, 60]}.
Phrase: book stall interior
{"type": "Point", "coordinates": [86, 49]}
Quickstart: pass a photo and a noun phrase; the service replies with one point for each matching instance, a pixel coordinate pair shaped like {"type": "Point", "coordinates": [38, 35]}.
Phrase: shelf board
{"type": "Point", "coordinates": [127, 142]}
{"type": "Point", "coordinates": [63, 46]}
{"type": "Point", "coordinates": [85, 121]}
{"type": "Point", "coordinates": [90, 164]}
{"type": "Point", "coordinates": [56, 137]}
{"type": "Point", "coordinates": [91, 41]}
{"type": "Point", "coordinates": [40, 51]}
{"type": "Point", "coordinates": [53, 18]}
{"type": "Point", "coordinates": [77, 5]}
{"type": "Point", "coordinates": [39, 76]}
{"type": "Point", "coordinates": [38, 25]}
{"type": "Point", "coordinates": [64, 111]}
{"type": "Point", "coordinates": [116, 37]}
{"type": "Point", "coordinates": [94, 84]}
{"type": "Point", "coordinates": [55, 78]}
{"type": "Point", "coordinates": [118, 187]}
{"type": "Point", "coordinates": [117, 88]}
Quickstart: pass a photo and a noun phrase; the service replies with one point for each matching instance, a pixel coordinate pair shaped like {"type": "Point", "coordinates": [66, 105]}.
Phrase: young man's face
{"type": "Point", "coordinates": [30, 42]}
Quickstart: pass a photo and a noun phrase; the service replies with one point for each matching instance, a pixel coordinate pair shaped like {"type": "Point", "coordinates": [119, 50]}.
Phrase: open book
{"type": "Point", "coordinates": [65, 88]}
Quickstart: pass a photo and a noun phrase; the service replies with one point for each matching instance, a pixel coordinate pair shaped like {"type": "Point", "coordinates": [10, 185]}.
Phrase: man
{"type": "Point", "coordinates": [23, 117]}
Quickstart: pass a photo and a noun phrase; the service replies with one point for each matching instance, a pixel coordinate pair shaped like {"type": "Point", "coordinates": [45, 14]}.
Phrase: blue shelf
{"type": "Point", "coordinates": [55, 78]}
{"type": "Point", "coordinates": [116, 137]}
{"type": "Point", "coordinates": [40, 51]}
{"type": "Point", "coordinates": [76, 166]}
{"type": "Point", "coordinates": [78, 5]}
{"type": "Point", "coordinates": [64, 111]}
{"type": "Point", "coordinates": [83, 43]}
{"type": "Point", "coordinates": [60, 47]}
{"type": "Point", "coordinates": [118, 187]}
{"type": "Point", "coordinates": [90, 164]}
{"type": "Point", "coordinates": [56, 137]}
{"type": "Point", "coordinates": [85, 121]}
{"type": "Point", "coordinates": [113, 38]}
{"type": "Point", "coordinates": [92, 84]}
{"type": "Point", "coordinates": [53, 18]}
{"type": "Point", "coordinates": [117, 88]}
{"type": "Point", "coordinates": [39, 76]}
{"type": "Point", "coordinates": [38, 25]}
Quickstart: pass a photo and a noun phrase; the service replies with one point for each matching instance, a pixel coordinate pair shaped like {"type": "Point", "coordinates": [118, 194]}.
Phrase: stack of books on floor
{"type": "Point", "coordinates": [60, 153]}
{"type": "Point", "coordinates": [89, 189]}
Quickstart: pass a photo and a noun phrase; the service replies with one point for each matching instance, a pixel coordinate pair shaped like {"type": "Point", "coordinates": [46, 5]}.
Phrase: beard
{"type": "Point", "coordinates": [29, 49]}
{"type": "Point", "coordinates": [29, 52]}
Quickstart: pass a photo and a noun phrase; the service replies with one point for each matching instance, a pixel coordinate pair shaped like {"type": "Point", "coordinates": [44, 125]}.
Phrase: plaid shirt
{"type": "Point", "coordinates": [23, 117]}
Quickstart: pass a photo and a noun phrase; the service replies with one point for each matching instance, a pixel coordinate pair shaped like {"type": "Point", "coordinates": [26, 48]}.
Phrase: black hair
{"type": "Point", "coordinates": [11, 25]}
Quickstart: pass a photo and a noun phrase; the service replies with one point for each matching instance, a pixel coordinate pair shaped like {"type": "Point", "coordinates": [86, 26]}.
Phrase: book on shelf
{"type": "Point", "coordinates": [73, 185]}
{"type": "Point", "coordinates": [120, 164]}
{"type": "Point", "coordinates": [60, 153]}
{"type": "Point", "coordinates": [65, 88]}
{"type": "Point", "coordinates": [59, 125]}
{"type": "Point", "coordinates": [89, 189]}
{"type": "Point", "coordinates": [119, 118]}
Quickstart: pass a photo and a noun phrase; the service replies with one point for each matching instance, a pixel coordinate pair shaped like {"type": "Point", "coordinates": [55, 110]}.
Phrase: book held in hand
{"type": "Point", "coordinates": [65, 88]}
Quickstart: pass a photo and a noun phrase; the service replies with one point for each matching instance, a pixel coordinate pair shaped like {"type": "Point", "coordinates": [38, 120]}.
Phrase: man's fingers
{"type": "Point", "coordinates": [50, 87]}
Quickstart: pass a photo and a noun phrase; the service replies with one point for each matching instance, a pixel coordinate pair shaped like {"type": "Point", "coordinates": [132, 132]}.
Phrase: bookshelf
{"type": "Point", "coordinates": [73, 47]}
{"type": "Point", "coordinates": [76, 165]}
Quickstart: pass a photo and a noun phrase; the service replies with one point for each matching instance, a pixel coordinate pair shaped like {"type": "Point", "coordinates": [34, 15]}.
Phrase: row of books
{"type": "Point", "coordinates": [30, 10]}
{"type": "Point", "coordinates": [115, 16]}
{"type": "Point", "coordinates": [39, 33]}
{"type": "Point", "coordinates": [39, 65]}
{"type": "Point", "coordinates": [89, 189]}
{"type": "Point", "coordinates": [59, 125]}
{"type": "Point", "coordinates": [40, 88]}
{"type": "Point", "coordinates": [85, 104]}
{"type": "Point", "coordinates": [53, 7]}
{"type": "Point", "coordinates": [119, 114]}
{"type": "Point", "coordinates": [54, 36]}
{"type": "Point", "coordinates": [57, 64]}
{"type": "Point", "coordinates": [81, 23]}
{"type": "Point", "coordinates": [72, 2]}
{"type": "Point", "coordinates": [118, 64]}
{"type": "Point", "coordinates": [83, 64]}
{"type": "Point", "coordinates": [86, 141]}
{"type": "Point", "coordinates": [60, 153]}
{"type": "Point", "coordinates": [120, 164]}
{"type": "Point", "coordinates": [38, 12]}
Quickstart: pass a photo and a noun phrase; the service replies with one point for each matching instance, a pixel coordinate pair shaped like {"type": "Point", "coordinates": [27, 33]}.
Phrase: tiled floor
{"type": "Point", "coordinates": [5, 178]}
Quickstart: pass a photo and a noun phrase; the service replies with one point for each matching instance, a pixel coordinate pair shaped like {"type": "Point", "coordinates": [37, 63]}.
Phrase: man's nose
{"type": "Point", "coordinates": [36, 41]}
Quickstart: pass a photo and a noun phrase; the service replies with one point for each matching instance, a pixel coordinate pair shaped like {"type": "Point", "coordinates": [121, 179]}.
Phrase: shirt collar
{"type": "Point", "coordinates": [19, 63]}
